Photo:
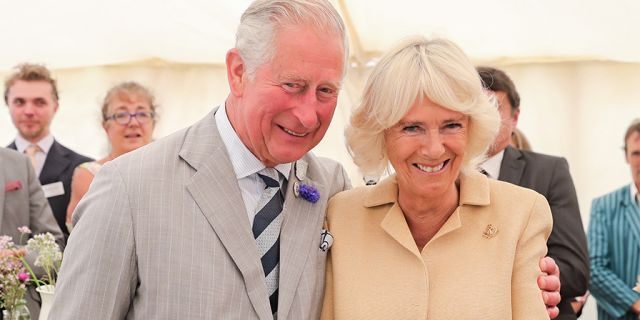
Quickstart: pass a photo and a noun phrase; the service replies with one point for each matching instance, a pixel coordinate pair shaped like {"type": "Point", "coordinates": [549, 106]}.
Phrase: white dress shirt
{"type": "Point", "coordinates": [634, 193]}
{"type": "Point", "coordinates": [493, 164]}
{"type": "Point", "coordinates": [245, 164]}
{"type": "Point", "coordinates": [40, 156]}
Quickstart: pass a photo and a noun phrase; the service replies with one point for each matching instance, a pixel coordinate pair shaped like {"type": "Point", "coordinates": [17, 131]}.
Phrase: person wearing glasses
{"type": "Point", "coordinates": [128, 118]}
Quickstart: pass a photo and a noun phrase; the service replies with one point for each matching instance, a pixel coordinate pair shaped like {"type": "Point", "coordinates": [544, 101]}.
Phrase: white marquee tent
{"type": "Point", "coordinates": [576, 64]}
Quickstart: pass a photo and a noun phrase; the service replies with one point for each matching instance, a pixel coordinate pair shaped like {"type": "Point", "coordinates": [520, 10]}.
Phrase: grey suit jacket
{"type": "Point", "coordinates": [24, 206]}
{"type": "Point", "coordinates": [567, 244]}
{"type": "Point", "coordinates": [163, 234]}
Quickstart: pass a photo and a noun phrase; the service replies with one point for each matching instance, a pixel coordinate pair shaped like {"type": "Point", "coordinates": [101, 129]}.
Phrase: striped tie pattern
{"type": "Point", "coordinates": [266, 230]}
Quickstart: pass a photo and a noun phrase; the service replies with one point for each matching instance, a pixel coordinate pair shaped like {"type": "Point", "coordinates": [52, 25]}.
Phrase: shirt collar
{"type": "Point", "coordinates": [44, 143]}
{"type": "Point", "coordinates": [492, 165]}
{"type": "Point", "coordinates": [634, 193]}
{"type": "Point", "coordinates": [243, 161]}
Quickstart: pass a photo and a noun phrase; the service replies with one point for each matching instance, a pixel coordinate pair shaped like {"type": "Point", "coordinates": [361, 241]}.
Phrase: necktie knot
{"type": "Point", "coordinates": [270, 177]}
{"type": "Point", "coordinates": [32, 149]}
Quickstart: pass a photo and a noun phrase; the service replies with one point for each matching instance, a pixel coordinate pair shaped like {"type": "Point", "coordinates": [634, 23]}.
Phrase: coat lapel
{"type": "Point", "coordinates": [55, 163]}
{"type": "Point", "coordinates": [512, 166]}
{"type": "Point", "coordinates": [301, 227]}
{"type": "Point", "coordinates": [215, 190]}
{"type": "Point", "coordinates": [631, 213]}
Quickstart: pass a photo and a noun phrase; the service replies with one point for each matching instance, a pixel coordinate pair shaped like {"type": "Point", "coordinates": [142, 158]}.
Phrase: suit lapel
{"type": "Point", "coordinates": [55, 163]}
{"type": "Point", "coordinates": [512, 166]}
{"type": "Point", "coordinates": [215, 190]}
{"type": "Point", "coordinates": [631, 213]}
{"type": "Point", "coordinates": [301, 228]}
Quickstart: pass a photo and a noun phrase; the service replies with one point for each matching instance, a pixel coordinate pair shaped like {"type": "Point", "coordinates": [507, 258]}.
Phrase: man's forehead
{"type": "Point", "coordinates": [30, 88]}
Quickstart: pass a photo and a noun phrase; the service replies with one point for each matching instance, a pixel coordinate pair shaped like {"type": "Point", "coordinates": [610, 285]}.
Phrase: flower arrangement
{"type": "Point", "coordinates": [15, 271]}
{"type": "Point", "coordinates": [13, 275]}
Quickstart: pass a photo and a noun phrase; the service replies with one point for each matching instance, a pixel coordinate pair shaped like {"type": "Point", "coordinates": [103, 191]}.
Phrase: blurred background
{"type": "Point", "coordinates": [575, 63]}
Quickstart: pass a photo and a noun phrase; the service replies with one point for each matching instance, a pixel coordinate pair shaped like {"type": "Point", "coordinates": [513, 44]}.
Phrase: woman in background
{"type": "Point", "coordinates": [128, 118]}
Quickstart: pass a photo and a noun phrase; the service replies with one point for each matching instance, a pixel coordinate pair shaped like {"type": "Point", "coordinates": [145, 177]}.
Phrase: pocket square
{"type": "Point", "coordinates": [12, 186]}
{"type": "Point", "coordinates": [326, 240]}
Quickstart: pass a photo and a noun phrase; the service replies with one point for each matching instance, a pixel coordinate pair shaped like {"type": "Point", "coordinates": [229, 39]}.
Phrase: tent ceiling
{"type": "Point", "coordinates": [77, 33]}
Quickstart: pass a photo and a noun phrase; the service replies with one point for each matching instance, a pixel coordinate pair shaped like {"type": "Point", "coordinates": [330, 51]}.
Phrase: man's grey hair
{"type": "Point", "coordinates": [259, 24]}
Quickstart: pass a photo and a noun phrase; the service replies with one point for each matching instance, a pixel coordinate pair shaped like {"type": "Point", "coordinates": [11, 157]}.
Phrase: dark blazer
{"type": "Point", "coordinates": [550, 176]}
{"type": "Point", "coordinates": [59, 166]}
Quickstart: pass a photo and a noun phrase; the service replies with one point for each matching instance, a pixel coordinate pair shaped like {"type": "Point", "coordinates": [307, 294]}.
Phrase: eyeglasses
{"type": "Point", "coordinates": [124, 118]}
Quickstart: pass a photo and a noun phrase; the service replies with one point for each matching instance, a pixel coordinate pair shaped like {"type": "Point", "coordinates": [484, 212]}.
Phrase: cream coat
{"type": "Point", "coordinates": [466, 271]}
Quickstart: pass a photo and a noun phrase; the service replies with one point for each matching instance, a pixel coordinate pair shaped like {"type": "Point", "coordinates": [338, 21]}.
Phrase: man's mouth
{"type": "Point", "coordinates": [132, 135]}
{"type": "Point", "coordinates": [293, 133]}
{"type": "Point", "coordinates": [430, 169]}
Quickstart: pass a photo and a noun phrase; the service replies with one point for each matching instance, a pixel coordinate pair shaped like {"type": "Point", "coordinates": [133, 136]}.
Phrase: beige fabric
{"type": "Point", "coordinates": [31, 151]}
{"type": "Point", "coordinates": [375, 270]}
{"type": "Point", "coordinates": [163, 234]}
{"type": "Point", "coordinates": [92, 166]}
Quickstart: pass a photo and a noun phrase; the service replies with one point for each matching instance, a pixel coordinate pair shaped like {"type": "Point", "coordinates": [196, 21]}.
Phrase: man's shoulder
{"type": "Point", "coordinates": [70, 154]}
{"type": "Point", "coordinates": [541, 158]}
{"type": "Point", "coordinates": [613, 198]}
{"type": "Point", "coordinates": [12, 156]}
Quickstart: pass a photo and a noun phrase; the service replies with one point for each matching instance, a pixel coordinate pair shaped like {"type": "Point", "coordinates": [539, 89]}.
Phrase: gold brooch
{"type": "Point", "coordinates": [490, 231]}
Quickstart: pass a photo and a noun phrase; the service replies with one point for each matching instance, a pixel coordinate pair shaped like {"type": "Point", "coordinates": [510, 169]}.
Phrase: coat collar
{"type": "Point", "coordinates": [474, 191]}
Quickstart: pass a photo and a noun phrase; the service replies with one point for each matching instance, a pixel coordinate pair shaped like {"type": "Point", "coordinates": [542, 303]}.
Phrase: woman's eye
{"type": "Point", "coordinates": [453, 126]}
{"type": "Point", "coordinates": [411, 129]}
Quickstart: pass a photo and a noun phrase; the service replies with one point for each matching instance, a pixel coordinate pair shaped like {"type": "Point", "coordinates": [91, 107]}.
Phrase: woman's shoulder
{"type": "Point", "coordinates": [92, 166]}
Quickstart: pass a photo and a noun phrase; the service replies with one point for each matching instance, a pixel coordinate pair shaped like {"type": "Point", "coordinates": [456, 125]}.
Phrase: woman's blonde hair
{"type": "Point", "coordinates": [419, 68]}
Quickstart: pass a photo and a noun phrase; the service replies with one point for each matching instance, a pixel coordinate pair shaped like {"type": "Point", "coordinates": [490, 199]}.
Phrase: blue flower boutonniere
{"type": "Point", "coordinates": [307, 192]}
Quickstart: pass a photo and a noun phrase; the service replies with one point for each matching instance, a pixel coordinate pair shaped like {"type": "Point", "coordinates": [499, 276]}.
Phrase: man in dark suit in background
{"type": "Point", "coordinates": [549, 176]}
{"type": "Point", "coordinates": [32, 97]}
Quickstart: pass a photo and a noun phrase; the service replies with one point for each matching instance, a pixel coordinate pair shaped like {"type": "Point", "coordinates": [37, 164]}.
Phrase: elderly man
{"type": "Point", "coordinates": [23, 204]}
{"type": "Point", "coordinates": [223, 220]}
{"type": "Point", "coordinates": [614, 241]}
{"type": "Point", "coordinates": [548, 176]}
{"type": "Point", "coordinates": [32, 97]}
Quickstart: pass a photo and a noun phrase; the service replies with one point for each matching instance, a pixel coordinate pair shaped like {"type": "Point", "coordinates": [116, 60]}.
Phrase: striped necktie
{"type": "Point", "coordinates": [266, 230]}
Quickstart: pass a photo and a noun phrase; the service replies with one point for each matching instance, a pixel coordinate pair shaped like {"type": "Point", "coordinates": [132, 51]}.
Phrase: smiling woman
{"type": "Point", "coordinates": [128, 118]}
{"type": "Point", "coordinates": [440, 240]}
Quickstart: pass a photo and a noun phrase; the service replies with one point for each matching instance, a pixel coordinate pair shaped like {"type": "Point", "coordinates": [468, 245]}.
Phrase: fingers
{"type": "Point", "coordinates": [553, 312]}
{"type": "Point", "coordinates": [549, 266]}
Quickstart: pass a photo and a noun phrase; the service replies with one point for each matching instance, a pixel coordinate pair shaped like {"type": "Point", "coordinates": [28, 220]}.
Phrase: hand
{"type": "Point", "coordinates": [635, 307]}
{"type": "Point", "coordinates": [578, 302]}
{"type": "Point", "coordinates": [549, 283]}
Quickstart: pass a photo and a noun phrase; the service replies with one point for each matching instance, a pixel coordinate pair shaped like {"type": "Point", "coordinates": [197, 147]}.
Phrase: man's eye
{"type": "Point", "coordinates": [291, 86]}
{"type": "Point", "coordinates": [326, 91]}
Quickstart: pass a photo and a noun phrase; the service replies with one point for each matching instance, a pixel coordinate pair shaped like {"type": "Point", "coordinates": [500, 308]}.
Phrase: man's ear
{"type": "Point", "coordinates": [514, 117]}
{"type": "Point", "coordinates": [236, 71]}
